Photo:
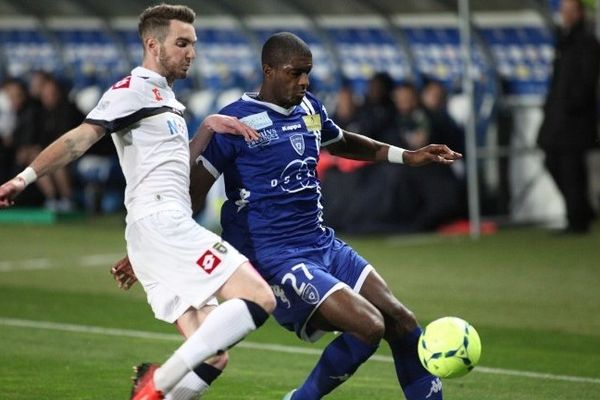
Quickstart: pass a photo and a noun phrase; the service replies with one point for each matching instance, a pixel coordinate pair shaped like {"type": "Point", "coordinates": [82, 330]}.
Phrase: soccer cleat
{"type": "Point", "coordinates": [143, 383]}
{"type": "Point", "coordinates": [289, 395]}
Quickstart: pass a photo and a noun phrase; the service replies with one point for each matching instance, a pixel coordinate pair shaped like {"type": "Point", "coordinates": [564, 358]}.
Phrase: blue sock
{"type": "Point", "coordinates": [340, 359]}
{"type": "Point", "coordinates": [416, 382]}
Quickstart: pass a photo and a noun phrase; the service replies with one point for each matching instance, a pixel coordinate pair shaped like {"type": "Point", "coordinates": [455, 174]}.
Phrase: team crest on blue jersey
{"type": "Point", "coordinates": [310, 294]}
{"type": "Point", "coordinates": [297, 141]}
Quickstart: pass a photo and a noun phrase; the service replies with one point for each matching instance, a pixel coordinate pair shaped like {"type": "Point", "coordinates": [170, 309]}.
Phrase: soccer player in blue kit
{"type": "Point", "coordinates": [273, 215]}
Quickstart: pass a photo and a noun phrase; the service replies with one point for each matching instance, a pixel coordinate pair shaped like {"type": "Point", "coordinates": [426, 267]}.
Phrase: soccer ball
{"type": "Point", "coordinates": [449, 347]}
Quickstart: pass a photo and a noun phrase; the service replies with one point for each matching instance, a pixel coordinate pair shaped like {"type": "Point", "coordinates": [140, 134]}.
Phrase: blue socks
{"type": "Point", "coordinates": [416, 382]}
{"type": "Point", "coordinates": [340, 359]}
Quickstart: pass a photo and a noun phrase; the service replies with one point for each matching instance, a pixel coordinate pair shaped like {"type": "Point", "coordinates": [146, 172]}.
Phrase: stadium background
{"type": "Point", "coordinates": [66, 331]}
{"type": "Point", "coordinates": [91, 46]}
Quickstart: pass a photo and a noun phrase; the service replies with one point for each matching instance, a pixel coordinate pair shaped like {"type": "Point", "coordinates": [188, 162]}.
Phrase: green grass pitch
{"type": "Point", "coordinates": [67, 331]}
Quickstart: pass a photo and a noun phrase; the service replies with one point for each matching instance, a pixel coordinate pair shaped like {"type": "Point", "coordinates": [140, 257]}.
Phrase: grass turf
{"type": "Point", "coordinates": [533, 297]}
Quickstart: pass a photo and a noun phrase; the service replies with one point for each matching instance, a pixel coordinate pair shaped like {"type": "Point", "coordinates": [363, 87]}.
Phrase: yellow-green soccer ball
{"type": "Point", "coordinates": [449, 347]}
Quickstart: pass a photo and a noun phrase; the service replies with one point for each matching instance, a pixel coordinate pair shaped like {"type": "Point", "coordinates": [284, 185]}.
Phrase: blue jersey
{"type": "Point", "coordinates": [273, 192]}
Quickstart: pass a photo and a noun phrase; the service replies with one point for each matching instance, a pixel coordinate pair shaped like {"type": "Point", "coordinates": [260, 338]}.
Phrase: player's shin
{"type": "Point", "coordinates": [417, 383]}
{"type": "Point", "coordinates": [195, 383]}
{"type": "Point", "coordinates": [226, 325]}
{"type": "Point", "coordinates": [340, 359]}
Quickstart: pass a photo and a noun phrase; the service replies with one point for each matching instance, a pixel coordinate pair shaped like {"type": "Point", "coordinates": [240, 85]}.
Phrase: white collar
{"type": "Point", "coordinates": [151, 75]}
{"type": "Point", "coordinates": [251, 97]}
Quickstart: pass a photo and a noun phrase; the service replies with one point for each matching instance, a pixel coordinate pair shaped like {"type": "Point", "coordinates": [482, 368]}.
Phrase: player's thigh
{"type": "Point", "coordinates": [247, 284]}
{"type": "Point", "coordinates": [348, 311]}
{"type": "Point", "coordinates": [398, 318]}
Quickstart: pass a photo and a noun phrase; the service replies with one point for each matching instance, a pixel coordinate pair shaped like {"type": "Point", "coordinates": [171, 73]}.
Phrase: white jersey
{"type": "Point", "coordinates": [151, 137]}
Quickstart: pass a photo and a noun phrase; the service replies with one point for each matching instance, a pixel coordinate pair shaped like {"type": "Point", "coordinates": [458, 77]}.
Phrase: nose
{"type": "Point", "coordinates": [304, 81]}
{"type": "Point", "coordinates": [191, 53]}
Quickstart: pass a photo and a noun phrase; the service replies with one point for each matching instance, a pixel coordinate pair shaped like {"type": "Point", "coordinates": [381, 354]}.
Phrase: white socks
{"type": "Point", "coordinates": [229, 323]}
{"type": "Point", "coordinates": [190, 387]}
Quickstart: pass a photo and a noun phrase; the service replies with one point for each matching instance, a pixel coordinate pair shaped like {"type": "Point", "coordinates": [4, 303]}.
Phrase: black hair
{"type": "Point", "coordinates": [281, 47]}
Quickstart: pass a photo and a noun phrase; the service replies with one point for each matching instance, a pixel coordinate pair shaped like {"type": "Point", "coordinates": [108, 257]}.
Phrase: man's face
{"type": "Point", "coordinates": [176, 53]}
{"type": "Point", "coordinates": [570, 13]}
{"type": "Point", "coordinates": [290, 81]}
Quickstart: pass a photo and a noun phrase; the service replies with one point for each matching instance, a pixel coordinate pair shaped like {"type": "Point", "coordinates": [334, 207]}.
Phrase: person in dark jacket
{"type": "Point", "coordinates": [569, 129]}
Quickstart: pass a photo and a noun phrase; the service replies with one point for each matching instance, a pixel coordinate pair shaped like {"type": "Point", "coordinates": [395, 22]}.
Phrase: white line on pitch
{"type": "Point", "coordinates": [93, 260]}
{"type": "Point", "coordinates": [23, 323]}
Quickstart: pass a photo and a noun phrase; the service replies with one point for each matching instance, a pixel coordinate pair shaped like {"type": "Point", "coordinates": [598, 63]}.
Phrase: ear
{"type": "Point", "coordinates": [267, 70]}
{"type": "Point", "coordinates": [152, 45]}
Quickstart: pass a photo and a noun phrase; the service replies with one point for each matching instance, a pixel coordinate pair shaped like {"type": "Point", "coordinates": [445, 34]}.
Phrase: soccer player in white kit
{"type": "Point", "coordinates": [181, 265]}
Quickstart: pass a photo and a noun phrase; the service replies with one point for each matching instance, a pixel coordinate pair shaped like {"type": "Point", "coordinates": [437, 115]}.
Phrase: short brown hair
{"type": "Point", "coordinates": [155, 20]}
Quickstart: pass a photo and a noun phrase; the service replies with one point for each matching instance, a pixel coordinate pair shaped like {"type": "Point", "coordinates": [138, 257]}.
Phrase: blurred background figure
{"type": "Point", "coordinates": [58, 115]}
{"type": "Point", "coordinates": [569, 129]}
{"type": "Point", "coordinates": [376, 115]}
{"type": "Point", "coordinates": [432, 196]}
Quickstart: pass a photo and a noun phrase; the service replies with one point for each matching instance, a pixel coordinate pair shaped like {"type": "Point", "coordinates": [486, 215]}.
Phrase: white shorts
{"type": "Point", "coordinates": [179, 263]}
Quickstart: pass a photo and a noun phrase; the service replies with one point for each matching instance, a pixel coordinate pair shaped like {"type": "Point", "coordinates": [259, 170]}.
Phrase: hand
{"type": "Point", "coordinates": [436, 153]}
{"type": "Point", "coordinates": [123, 273]}
{"type": "Point", "coordinates": [226, 124]}
{"type": "Point", "coordinates": [10, 190]}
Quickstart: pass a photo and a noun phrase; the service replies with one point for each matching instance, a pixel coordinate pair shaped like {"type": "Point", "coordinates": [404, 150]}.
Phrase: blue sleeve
{"type": "Point", "coordinates": [219, 153]}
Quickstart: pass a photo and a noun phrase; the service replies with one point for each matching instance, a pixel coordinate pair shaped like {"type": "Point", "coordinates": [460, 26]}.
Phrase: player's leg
{"type": "Point", "coordinates": [195, 383]}
{"type": "Point", "coordinates": [200, 266]}
{"type": "Point", "coordinates": [362, 328]}
{"type": "Point", "coordinates": [311, 299]}
{"type": "Point", "coordinates": [402, 333]}
{"type": "Point", "coordinates": [248, 303]}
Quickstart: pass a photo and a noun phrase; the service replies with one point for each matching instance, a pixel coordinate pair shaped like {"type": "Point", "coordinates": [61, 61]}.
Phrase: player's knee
{"type": "Point", "coordinates": [400, 322]}
{"type": "Point", "coordinates": [258, 313]}
{"type": "Point", "coordinates": [374, 329]}
{"type": "Point", "coordinates": [266, 299]}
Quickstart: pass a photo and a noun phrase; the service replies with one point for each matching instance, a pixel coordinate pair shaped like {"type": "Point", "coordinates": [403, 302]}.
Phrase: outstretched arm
{"type": "Point", "coordinates": [358, 147]}
{"type": "Point", "coordinates": [221, 124]}
{"type": "Point", "coordinates": [62, 151]}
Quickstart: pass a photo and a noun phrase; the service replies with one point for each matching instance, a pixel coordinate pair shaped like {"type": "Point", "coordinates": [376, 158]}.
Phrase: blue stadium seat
{"type": "Point", "coordinates": [91, 54]}
{"type": "Point", "coordinates": [365, 48]}
{"type": "Point", "coordinates": [523, 55]}
{"type": "Point", "coordinates": [25, 48]}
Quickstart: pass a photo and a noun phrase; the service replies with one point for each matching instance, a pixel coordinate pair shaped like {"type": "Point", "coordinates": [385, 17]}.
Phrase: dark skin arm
{"type": "Point", "coordinates": [359, 147]}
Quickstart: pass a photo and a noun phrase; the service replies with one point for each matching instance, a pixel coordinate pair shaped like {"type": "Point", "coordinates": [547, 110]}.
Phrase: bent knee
{"type": "Point", "coordinates": [266, 299]}
{"type": "Point", "coordinates": [373, 330]}
{"type": "Point", "coordinates": [399, 322]}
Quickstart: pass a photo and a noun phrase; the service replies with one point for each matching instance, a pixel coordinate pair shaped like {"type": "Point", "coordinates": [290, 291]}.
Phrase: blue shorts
{"type": "Point", "coordinates": [305, 277]}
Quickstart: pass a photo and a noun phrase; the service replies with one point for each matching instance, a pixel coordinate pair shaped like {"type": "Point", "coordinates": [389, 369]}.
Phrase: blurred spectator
{"type": "Point", "coordinates": [569, 129]}
{"type": "Point", "coordinates": [376, 115]}
{"type": "Point", "coordinates": [21, 143]}
{"type": "Point", "coordinates": [413, 127]}
{"type": "Point", "coordinates": [58, 115]}
{"type": "Point", "coordinates": [36, 81]}
{"type": "Point", "coordinates": [425, 197]}
{"type": "Point", "coordinates": [444, 128]}
{"type": "Point", "coordinates": [7, 125]}
{"type": "Point", "coordinates": [345, 114]}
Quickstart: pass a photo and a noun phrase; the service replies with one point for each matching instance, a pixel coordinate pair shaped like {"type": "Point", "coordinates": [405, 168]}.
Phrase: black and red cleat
{"type": "Point", "coordinates": [143, 383]}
